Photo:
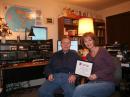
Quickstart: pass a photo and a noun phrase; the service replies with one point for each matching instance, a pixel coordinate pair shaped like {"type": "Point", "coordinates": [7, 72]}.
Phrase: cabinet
{"type": "Point", "coordinates": [118, 28]}
{"type": "Point", "coordinates": [69, 26]}
{"type": "Point", "coordinates": [99, 30]}
{"type": "Point", "coordinates": [13, 52]}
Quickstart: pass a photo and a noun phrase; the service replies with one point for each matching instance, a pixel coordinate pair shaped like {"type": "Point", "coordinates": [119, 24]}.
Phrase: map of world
{"type": "Point", "coordinates": [18, 18]}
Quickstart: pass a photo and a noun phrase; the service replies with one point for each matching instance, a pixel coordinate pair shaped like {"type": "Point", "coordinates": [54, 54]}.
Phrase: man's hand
{"type": "Point", "coordinates": [51, 77]}
{"type": "Point", "coordinates": [72, 79]}
{"type": "Point", "coordinates": [92, 77]}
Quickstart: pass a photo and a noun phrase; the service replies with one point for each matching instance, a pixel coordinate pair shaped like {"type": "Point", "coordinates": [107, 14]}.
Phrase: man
{"type": "Point", "coordinates": [60, 71]}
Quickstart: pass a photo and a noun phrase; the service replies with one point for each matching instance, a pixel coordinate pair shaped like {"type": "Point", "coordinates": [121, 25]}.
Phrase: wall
{"type": "Point", "coordinates": [49, 8]}
{"type": "Point", "coordinates": [120, 8]}
{"type": "Point", "coordinates": [1, 8]}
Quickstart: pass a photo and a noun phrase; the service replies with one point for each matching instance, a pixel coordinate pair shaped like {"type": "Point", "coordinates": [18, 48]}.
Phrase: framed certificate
{"type": "Point", "coordinates": [83, 68]}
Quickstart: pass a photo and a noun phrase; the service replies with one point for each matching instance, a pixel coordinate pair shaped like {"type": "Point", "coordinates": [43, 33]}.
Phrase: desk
{"type": "Point", "coordinates": [125, 83]}
{"type": "Point", "coordinates": [22, 72]}
{"type": "Point", "coordinates": [126, 73]}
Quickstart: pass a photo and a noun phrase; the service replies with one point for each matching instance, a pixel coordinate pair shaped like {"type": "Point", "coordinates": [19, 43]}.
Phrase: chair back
{"type": "Point", "coordinates": [118, 71]}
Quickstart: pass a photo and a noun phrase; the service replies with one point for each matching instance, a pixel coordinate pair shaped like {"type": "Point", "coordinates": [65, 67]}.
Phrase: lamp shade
{"type": "Point", "coordinates": [85, 25]}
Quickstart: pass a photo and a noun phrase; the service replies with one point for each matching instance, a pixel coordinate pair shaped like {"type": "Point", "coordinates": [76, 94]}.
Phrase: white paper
{"type": "Point", "coordinates": [0, 90]}
{"type": "Point", "coordinates": [125, 65]}
{"type": "Point", "coordinates": [83, 68]}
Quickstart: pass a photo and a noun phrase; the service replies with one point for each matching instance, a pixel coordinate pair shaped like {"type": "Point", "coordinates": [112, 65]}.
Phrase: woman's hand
{"type": "Point", "coordinates": [92, 77]}
{"type": "Point", "coordinates": [51, 77]}
{"type": "Point", "coordinates": [72, 79]}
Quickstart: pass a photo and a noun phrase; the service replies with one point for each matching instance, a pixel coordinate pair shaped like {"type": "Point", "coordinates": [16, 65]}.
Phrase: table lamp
{"type": "Point", "coordinates": [85, 25]}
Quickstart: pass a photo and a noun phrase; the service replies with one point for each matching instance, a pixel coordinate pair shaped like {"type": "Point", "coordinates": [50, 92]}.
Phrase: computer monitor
{"type": "Point", "coordinates": [39, 32]}
{"type": "Point", "coordinates": [74, 45]}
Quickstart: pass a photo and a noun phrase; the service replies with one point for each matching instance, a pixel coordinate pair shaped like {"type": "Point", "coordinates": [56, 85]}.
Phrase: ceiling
{"type": "Point", "coordinates": [94, 4]}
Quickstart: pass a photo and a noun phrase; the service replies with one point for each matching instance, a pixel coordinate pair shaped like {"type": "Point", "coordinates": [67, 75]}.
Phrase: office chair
{"type": "Point", "coordinates": [59, 92]}
{"type": "Point", "coordinates": [117, 75]}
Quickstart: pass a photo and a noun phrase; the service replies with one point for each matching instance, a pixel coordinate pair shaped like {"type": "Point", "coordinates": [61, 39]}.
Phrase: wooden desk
{"type": "Point", "coordinates": [23, 72]}
{"type": "Point", "coordinates": [28, 64]}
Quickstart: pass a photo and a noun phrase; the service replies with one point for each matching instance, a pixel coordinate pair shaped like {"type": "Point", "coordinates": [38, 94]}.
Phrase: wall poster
{"type": "Point", "coordinates": [21, 18]}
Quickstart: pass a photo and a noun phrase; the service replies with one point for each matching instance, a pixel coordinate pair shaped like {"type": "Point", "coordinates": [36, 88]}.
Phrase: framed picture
{"type": "Point", "coordinates": [49, 20]}
{"type": "Point", "coordinates": [83, 68]}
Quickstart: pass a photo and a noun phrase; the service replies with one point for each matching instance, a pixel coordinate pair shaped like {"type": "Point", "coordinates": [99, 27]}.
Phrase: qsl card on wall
{"type": "Point", "coordinates": [83, 68]}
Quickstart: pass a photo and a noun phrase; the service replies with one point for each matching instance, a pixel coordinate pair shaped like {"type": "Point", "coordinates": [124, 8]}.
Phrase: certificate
{"type": "Point", "coordinates": [83, 68]}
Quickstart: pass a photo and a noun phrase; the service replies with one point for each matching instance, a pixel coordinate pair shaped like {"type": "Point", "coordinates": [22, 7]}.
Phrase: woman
{"type": "Point", "coordinates": [101, 81]}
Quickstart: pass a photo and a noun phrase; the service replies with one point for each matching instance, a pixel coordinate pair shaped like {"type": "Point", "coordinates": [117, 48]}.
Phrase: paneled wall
{"type": "Point", "coordinates": [118, 28]}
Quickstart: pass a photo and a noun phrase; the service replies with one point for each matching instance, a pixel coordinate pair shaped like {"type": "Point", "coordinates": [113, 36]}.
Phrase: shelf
{"type": "Point", "coordinates": [25, 50]}
{"type": "Point", "coordinates": [71, 29]}
{"type": "Point", "coordinates": [70, 24]}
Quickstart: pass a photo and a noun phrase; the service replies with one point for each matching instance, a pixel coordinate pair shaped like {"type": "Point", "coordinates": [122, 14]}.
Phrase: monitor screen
{"type": "Point", "coordinates": [40, 33]}
{"type": "Point", "coordinates": [74, 45]}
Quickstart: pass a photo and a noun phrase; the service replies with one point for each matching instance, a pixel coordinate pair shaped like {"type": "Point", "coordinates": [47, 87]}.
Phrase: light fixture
{"type": "Point", "coordinates": [31, 32]}
{"type": "Point", "coordinates": [26, 31]}
{"type": "Point", "coordinates": [85, 25]}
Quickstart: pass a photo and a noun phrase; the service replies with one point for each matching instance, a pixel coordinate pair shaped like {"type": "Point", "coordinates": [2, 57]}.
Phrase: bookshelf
{"type": "Point", "coordinates": [69, 26]}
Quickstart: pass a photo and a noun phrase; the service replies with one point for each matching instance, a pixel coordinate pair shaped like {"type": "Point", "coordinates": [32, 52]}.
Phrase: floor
{"type": "Point", "coordinates": [32, 92]}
